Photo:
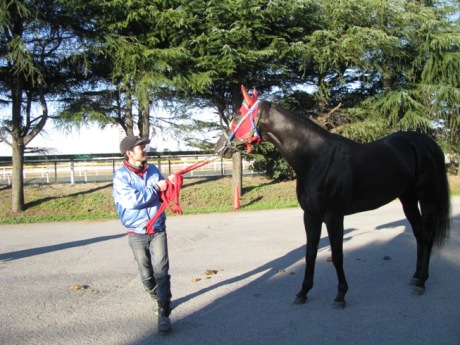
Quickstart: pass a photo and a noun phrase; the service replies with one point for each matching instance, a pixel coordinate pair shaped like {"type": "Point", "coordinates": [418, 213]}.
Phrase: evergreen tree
{"type": "Point", "coordinates": [394, 65]}
{"type": "Point", "coordinates": [139, 62]}
{"type": "Point", "coordinates": [379, 66]}
{"type": "Point", "coordinates": [40, 62]}
{"type": "Point", "coordinates": [248, 42]}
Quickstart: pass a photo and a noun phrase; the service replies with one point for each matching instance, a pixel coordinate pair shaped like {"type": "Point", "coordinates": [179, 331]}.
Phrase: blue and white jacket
{"type": "Point", "coordinates": [137, 198]}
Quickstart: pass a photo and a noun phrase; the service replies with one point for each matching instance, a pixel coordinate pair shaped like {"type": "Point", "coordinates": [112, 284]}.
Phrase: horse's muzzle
{"type": "Point", "coordinates": [224, 148]}
{"type": "Point", "coordinates": [225, 151]}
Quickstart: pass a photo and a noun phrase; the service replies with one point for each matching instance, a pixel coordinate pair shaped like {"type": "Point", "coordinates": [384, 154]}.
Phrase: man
{"type": "Point", "coordinates": [136, 192]}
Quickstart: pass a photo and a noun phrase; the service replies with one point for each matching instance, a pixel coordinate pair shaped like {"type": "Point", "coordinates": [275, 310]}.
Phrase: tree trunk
{"type": "Point", "coordinates": [237, 172]}
{"type": "Point", "coordinates": [237, 166]}
{"type": "Point", "coordinates": [17, 145]}
{"type": "Point", "coordinates": [129, 113]}
{"type": "Point", "coordinates": [17, 180]}
{"type": "Point", "coordinates": [144, 119]}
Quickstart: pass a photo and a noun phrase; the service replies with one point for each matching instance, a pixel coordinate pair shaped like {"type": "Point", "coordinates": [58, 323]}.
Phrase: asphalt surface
{"type": "Point", "coordinates": [258, 261]}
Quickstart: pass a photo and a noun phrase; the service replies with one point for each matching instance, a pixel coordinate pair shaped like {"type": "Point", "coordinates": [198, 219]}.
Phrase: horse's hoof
{"type": "Point", "coordinates": [300, 300]}
{"type": "Point", "coordinates": [413, 282]}
{"type": "Point", "coordinates": [418, 291]}
{"type": "Point", "coordinates": [339, 305]}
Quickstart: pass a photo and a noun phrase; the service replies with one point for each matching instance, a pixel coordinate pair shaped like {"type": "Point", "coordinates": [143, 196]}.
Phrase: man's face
{"type": "Point", "coordinates": [138, 153]}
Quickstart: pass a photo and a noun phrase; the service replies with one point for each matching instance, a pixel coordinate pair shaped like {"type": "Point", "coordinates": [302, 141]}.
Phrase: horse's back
{"type": "Point", "coordinates": [414, 164]}
{"type": "Point", "coordinates": [422, 147]}
{"type": "Point", "coordinates": [423, 156]}
{"type": "Point", "coordinates": [376, 173]}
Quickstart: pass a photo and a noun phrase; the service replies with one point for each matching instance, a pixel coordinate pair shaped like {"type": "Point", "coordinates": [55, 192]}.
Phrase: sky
{"type": "Point", "coordinates": [94, 139]}
{"type": "Point", "coordinates": [91, 139]}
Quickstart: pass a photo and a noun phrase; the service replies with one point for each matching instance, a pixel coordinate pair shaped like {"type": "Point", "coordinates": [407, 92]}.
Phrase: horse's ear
{"type": "Point", "coordinates": [246, 96]}
{"type": "Point", "coordinates": [254, 96]}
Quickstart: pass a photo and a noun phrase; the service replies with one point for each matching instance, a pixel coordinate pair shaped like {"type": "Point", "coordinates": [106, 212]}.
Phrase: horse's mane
{"type": "Point", "coordinates": [299, 118]}
{"type": "Point", "coordinates": [302, 121]}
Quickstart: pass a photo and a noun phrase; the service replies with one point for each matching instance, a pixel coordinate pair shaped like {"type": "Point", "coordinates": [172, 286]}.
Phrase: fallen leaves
{"type": "Point", "coordinates": [284, 271]}
{"type": "Point", "coordinates": [207, 273]}
{"type": "Point", "coordinates": [78, 287]}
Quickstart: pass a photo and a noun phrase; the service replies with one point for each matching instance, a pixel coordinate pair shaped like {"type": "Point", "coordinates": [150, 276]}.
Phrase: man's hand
{"type": "Point", "coordinates": [172, 178]}
{"type": "Point", "coordinates": [162, 185]}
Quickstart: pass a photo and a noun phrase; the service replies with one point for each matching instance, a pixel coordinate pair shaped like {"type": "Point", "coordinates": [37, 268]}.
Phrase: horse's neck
{"type": "Point", "coordinates": [299, 140]}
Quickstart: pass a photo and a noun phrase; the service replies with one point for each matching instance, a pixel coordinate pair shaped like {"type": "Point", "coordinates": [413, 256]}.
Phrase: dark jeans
{"type": "Point", "coordinates": [151, 254]}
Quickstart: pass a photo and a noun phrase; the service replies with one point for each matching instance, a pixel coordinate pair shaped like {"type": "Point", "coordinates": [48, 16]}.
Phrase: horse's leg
{"type": "Point", "coordinates": [334, 226]}
{"type": "Point", "coordinates": [425, 241]}
{"type": "Point", "coordinates": [313, 231]}
{"type": "Point", "coordinates": [410, 206]}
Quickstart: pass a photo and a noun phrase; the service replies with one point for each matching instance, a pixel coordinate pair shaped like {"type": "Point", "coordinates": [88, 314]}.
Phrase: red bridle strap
{"type": "Point", "coordinates": [245, 131]}
{"type": "Point", "coordinates": [170, 197]}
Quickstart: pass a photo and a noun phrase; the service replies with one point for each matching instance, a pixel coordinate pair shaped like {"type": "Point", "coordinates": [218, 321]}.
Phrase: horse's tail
{"type": "Point", "coordinates": [442, 208]}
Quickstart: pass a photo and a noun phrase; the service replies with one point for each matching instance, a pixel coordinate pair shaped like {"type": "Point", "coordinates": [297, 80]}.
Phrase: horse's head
{"type": "Point", "coordinates": [243, 130]}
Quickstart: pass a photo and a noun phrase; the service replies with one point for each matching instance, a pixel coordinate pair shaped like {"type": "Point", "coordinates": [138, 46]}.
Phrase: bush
{"type": "Point", "coordinates": [267, 160]}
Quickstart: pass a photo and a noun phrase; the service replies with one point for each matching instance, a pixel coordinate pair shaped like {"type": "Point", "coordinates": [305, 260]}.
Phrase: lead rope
{"type": "Point", "coordinates": [170, 197]}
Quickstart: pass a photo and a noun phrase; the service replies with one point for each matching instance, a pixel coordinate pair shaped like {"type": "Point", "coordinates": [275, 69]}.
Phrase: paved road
{"type": "Point", "coordinates": [258, 259]}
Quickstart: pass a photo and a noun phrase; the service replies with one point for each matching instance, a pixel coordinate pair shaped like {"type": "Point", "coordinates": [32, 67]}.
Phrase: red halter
{"type": "Point", "coordinates": [245, 131]}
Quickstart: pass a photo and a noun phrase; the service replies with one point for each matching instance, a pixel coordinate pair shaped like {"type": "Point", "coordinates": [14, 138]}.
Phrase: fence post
{"type": "Point", "coordinates": [55, 172]}
{"type": "Point", "coordinates": [72, 176]}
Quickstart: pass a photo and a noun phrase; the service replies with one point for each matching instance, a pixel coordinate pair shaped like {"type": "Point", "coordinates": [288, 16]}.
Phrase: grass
{"type": "Point", "coordinates": [82, 201]}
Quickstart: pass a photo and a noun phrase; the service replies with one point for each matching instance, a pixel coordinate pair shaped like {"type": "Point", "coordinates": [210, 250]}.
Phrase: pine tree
{"type": "Point", "coordinates": [393, 64]}
{"type": "Point", "coordinates": [40, 63]}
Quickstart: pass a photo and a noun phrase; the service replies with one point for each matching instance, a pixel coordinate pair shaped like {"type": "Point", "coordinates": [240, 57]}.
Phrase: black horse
{"type": "Point", "coordinates": [337, 177]}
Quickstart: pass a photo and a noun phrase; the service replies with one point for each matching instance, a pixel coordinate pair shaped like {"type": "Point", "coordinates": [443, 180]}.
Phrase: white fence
{"type": "Point", "coordinates": [101, 169]}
